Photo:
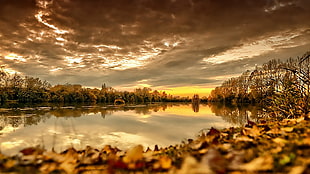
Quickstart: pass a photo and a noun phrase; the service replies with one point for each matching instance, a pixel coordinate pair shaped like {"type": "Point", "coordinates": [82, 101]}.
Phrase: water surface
{"type": "Point", "coordinates": [61, 127]}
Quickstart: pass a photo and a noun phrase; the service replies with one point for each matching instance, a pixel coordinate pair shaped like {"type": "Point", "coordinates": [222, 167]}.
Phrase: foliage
{"type": "Point", "coordinates": [267, 147]}
{"type": "Point", "coordinates": [282, 88]}
{"type": "Point", "coordinates": [33, 90]}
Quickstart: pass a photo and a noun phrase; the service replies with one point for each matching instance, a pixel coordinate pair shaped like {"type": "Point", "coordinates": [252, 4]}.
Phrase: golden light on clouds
{"type": "Point", "coordinates": [188, 45]}
{"type": "Point", "coordinates": [11, 144]}
{"type": "Point", "coordinates": [257, 47]}
{"type": "Point", "coordinates": [55, 69]}
{"type": "Point", "coordinates": [15, 57]}
{"type": "Point", "coordinates": [40, 19]}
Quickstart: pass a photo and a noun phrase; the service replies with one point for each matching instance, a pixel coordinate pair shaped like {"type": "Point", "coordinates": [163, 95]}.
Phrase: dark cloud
{"type": "Point", "coordinates": [160, 42]}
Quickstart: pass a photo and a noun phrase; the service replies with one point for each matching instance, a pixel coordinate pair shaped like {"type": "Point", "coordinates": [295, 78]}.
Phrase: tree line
{"type": "Point", "coordinates": [16, 88]}
{"type": "Point", "coordinates": [280, 87]}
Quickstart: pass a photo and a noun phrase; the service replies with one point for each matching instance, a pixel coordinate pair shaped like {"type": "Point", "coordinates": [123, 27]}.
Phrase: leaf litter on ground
{"type": "Point", "coordinates": [263, 147]}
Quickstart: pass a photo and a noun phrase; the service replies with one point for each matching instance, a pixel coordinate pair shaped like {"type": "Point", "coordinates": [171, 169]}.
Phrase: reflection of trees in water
{"type": "Point", "coordinates": [32, 116]}
{"type": "Point", "coordinates": [238, 115]}
{"type": "Point", "coordinates": [195, 106]}
{"type": "Point", "coordinates": [16, 117]}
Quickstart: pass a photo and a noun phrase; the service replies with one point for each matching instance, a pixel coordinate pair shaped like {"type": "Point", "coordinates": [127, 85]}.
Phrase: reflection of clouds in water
{"type": "Point", "coordinates": [125, 140]}
{"type": "Point", "coordinates": [121, 128]}
{"type": "Point", "coordinates": [12, 144]}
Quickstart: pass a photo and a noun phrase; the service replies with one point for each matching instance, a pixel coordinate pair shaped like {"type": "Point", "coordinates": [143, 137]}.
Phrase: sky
{"type": "Point", "coordinates": [180, 46]}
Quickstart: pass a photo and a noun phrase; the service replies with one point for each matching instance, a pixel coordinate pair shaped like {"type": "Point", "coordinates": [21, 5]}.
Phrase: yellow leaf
{"type": "Point", "coordinates": [287, 129]}
{"type": "Point", "coordinates": [306, 141]}
{"type": "Point", "coordinates": [69, 167]}
{"type": "Point", "coordinates": [259, 164]}
{"type": "Point", "coordinates": [9, 164]}
{"type": "Point", "coordinates": [276, 150]}
{"type": "Point", "coordinates": [165, 162]}
{"type": "Point", "coordinates": [280, 141]}
{"type": "Point", "coordinates": [298, 169]}
{"type": "Point", "coordinates": [48, 167]}
{"type": "Point", "coordinates": [134, 154]}
{"type": "Point", "coordinates": [254, 131]}
{"type": "Point", "coordinates": [274, 131]}
{"type": "Point", "coordinates": [191, 166]}
{"type": "Point", "coordinates": [243, 138]}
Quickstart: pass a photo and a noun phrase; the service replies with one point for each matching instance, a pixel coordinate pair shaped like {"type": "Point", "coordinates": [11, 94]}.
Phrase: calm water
{"type": "Point", "coordinates": [99, 125]}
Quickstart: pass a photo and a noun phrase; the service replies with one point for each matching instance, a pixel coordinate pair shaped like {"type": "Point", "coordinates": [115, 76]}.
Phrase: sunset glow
{"type": "Point", "coordinates": [190, 91]}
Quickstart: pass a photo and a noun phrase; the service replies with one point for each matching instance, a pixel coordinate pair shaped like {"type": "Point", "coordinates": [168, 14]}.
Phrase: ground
{"type": "Point", "coordinates": [269, 146]}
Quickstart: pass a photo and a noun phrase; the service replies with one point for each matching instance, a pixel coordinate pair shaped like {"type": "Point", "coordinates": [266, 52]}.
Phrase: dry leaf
{"type": "Point", "coordinates": [134, 154]}
{"type": "Point", "coordinates": [280, 141]}
{"type": "Point", "coordinates": [191, 166]}
{"type": "Point", "coordinates": [213, 132]}
{"type": "Point", "coordinates": [215, 161]}
{"type": "Point", "coordinates": [254, 131]}
{"type": "Point", "coordinates": [244, 138]}
{"type": "Point", "coordinates": [287, 129]}
{"type": "Point", "coordinates": [298, 169]}
{"type": "Point", "coordinates": [165, 162]}
{"type": "Point", "coordinates": [9, 164]}
{"type": "Point", "coordinates": [48, 167]}
{"type": "Point", "coordinates": [262, 163]}
{"type": "Point", "coordinates": [68, 167]}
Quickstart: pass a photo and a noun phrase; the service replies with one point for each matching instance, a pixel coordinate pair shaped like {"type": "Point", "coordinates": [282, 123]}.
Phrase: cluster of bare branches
{"type": "Point", "coordinates": [281, 87]}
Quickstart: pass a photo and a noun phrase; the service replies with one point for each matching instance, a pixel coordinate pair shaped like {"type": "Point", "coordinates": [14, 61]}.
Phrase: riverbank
{"type": "Point", "coordinates": [266, 147]}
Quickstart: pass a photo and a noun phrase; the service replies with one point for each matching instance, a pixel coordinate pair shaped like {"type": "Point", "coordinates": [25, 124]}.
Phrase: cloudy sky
{"type": "Point", "coordinates": [181, 46]}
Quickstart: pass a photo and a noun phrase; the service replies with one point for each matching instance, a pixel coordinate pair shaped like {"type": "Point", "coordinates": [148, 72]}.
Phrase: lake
{"type": "Point", "coordinates": [163, 124]}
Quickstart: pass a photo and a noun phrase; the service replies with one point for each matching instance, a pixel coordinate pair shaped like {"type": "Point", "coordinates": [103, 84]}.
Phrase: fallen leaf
{"type": "Point", "coordinates": [306, 141]}
{"type": "Point", "coordinates": [275, 131]}
{"type": "Point", "coordinates": [254, 131]}
{"type": "Point", "coordinates": [68, 167]}
{"type": "Point", "coordinates": [213, 131]}
{"type": "Point", "coordinates": [134, 154]}
{"type": "Point", "coordinates": [244, 138]}
{"type": "Point", "coordinates": [191, 166]}
{"type": "Point", "coordinates": [9, 164]}
{"type": "Point", "coordinates": [165, 162]}
{"type": "Point", "coordinates": [31, 150]}
{"type": "Point", "coordinates": [215, 161]}
{"type": "Point", "coordinates": [285, 160]}
{"type": "Point", "coordinates": [280, 141]}
{"type": "Point", "coordinates": [262, 163]}
{"type": "Point", "coordinates": [48, 167]}
{"type": "Point", "coordinates": [287, 129]}
{"type": "Point", "coordinates": [298, 169]}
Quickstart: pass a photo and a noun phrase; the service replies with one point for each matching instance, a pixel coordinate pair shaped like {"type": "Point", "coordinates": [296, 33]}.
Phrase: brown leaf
{"type": "Point", "coordinates": [9, 164]}
{"type": "Point", "coordinates": [262, 163]}
{"type": "Point", "coordinates": [191, 166]}
{"type": "Point", "coordinates": [306, 141]}
{"type": "Point", "coordinates": [48, 167]}
{"type": "Point", "coordinates": [31, 150]}
{"type": "Point", "coordinates": [215, 161]}
{"type": "Point", "coordinates": [254, 131]}
{"type": "Point", "coordinates": [298, 169]}
{"type": "Point", "coordinates": [213, 132]}
{"type": "Point", "coordinates": [280, 141]}
{"type": "Point", "coordinates": [68, 167]}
